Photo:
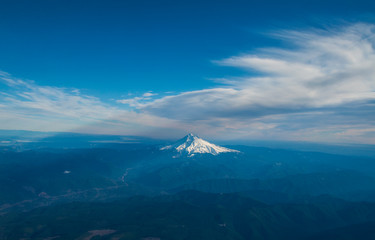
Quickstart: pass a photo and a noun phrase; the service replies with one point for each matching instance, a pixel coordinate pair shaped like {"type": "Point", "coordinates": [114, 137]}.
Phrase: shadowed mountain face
{"type": "Point", "coordinates": [191, 189]}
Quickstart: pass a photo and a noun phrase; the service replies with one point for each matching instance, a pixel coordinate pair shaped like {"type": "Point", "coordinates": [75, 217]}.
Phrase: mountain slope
{"type": "Point", "coordinates": [192, 144]}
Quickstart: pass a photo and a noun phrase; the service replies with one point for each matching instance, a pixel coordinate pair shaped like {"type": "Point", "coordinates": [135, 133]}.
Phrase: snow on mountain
{"type": "Point", "coordinates": [192, 144]}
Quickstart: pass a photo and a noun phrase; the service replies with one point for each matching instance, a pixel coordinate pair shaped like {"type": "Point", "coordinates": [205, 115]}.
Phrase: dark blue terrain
{"type": "Point", "coordinates": [117, 189]}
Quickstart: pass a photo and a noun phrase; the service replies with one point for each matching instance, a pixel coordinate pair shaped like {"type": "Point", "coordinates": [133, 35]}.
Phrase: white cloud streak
{"type": "Point", "coordinates": [138, 102]}
{"type": "Point", "coordinates": [325, 70]}
{"type": "Point", "coordinates": [28, 106]}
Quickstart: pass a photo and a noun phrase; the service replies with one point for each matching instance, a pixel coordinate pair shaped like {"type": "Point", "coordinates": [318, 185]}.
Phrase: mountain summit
{"type": "Point", "coordinates": [192, 144]}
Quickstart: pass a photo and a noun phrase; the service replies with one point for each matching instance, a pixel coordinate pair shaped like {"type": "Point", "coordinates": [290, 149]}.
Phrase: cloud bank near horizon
{"type": "Point", "coordinates": [321, 89]}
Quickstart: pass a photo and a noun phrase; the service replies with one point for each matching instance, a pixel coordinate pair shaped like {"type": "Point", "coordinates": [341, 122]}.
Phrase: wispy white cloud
{"type": "Point", "coordinates": [28, 106]}
{"type": "Point", "coordinates": [325, 71]}
{"type": "Point", "coordinates": [138, 102]}
{"type": "Point", "coordinates": [149, 94]}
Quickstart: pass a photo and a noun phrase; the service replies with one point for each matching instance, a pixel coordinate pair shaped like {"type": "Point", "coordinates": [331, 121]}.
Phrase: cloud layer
{"type": "Point", "coordinates": [325, 69]}
{"type": "Point", "coordinates": [324, 84]}
{"type": "Point", "coordinates": [28, 106]}
{"type": "Point", "coordinates": [320, 88]}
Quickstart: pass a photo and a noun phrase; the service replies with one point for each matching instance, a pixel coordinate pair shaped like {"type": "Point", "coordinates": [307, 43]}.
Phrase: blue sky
{"type": "Point", "coordinates": [285, 70]}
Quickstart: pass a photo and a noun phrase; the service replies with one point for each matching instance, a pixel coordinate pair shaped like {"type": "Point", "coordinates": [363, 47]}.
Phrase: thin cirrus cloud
{"type": "Point", "coordinates": [28, 106]}
{"type": "Point", "coordinates": [326, 69]}
{"type": "Point", "coordinates": [322, 88]}
{"type": "Point", "coordinates": [137, 102]}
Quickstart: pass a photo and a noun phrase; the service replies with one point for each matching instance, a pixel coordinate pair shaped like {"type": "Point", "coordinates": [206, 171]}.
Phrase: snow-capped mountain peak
{"type": "Point", "coordinates": [192, 144]}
